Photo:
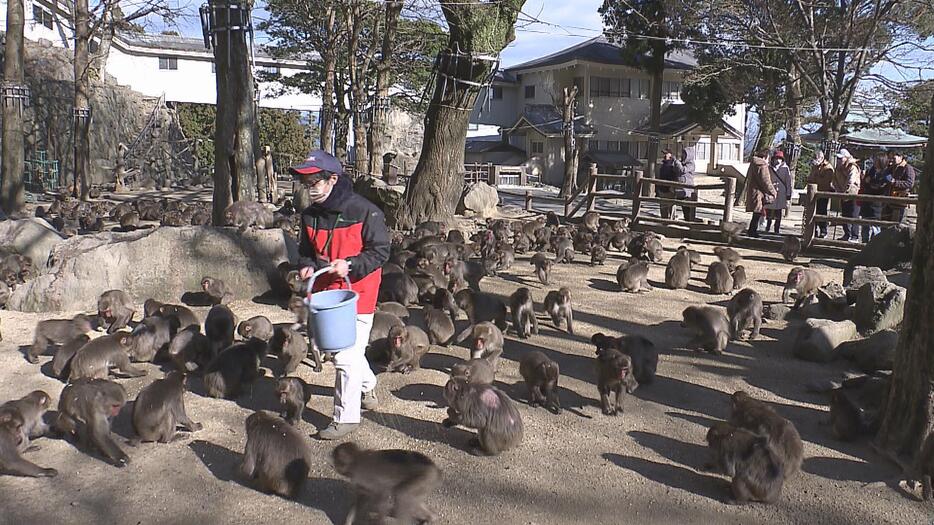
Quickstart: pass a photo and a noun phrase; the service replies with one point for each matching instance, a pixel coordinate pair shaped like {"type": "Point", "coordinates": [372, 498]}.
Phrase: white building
{"type": "Point", "coordinates": [180, 68]}
{"type": "Point", "coordinates": [613, 109]}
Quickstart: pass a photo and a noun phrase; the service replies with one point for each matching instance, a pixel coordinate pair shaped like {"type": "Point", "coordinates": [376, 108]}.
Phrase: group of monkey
{"type": "Point", "coordinates": [435, 268]}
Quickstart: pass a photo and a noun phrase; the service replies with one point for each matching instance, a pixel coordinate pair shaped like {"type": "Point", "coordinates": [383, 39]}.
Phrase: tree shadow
{"type": "Point", "coordinates": [197, 299]}
{"type": "Point", "coordinates": [440, 362]}
{"type": "Point", "coordinates": [571, 365]}
{"type": "Point", "coordinates": [423, 430]}
{"type": "Point", "coordinates": [422, 392]}
{"type": "Point", "coordinates": [710, 487]}
{"type": "Point", "coordinates": [570, 400]}
{"type": "Point", "coordinates": [603, 285]}
{"type": "Point", "coordinates": [222, 462]}
{"type": "Point", "coordinates": [841, 469]}
{"type": "Point", "coordinates": [772, 282]}
{"type": "Point", "coordinates": [687, 454]}
{"type": "Point", "coordinates": [698, 289]}
{"type": "Point", "coordinates": [333, 497]}
{"type": "Point", "coordinates": [272, 298]}
{"type": "Point", "coordinates": [705, 422]}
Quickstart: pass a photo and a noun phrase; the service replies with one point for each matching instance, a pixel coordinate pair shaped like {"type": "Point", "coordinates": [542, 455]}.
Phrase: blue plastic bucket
{"type": "Point", "coordinates": [332, 316]}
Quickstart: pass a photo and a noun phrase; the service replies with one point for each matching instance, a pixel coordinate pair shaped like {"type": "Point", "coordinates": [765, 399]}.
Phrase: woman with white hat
{"type": "Point", "coordinates": [846, 179]}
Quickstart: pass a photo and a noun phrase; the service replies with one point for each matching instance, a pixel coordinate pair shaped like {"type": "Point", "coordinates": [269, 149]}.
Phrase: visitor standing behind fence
{"type": "Point", "coordinates": [874, 183]}
{"type": "Point", "coordinates": [667, 171]}
{"type": "Point", "coordinates": [846, 179]}
{"type": "Point", "coordinates": [780, 176]}
{"type": "Point", "coordinates": [821, 175]}
{"type": "Point", "coordinates": [759, 189]}
{"type": "Point", "coordinates": [685, 173]}
{"type": "Point", "coordinates": [901, 182]}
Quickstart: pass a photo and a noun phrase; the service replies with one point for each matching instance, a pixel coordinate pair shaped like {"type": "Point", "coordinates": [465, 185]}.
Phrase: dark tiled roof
{"type": "Point", "coordinates": [504, 77]}
{"type": "Point", "coordinates": [611, 159]}
{"type": "Point", "coordinates": [491, 146]}
{"type": "Point", "coordinates": [175, 43]}
{"type": "Point", "coordinates": [676, 120]}
{"type": "Point", "coordinates": [547, 120]}
{"type": "Point", "coordinates": [601, 51]}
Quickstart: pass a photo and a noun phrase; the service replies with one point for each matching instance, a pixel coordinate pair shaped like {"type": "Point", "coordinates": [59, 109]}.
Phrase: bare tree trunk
{"type": "Point", "coordinates": [235, 125]}
{"type": "Point", "coordinates": [908, 415]}
{"type": "Point", "coordinates": [327, 92]}
{"type": "Point", "coordinates": [570, 148]}
{"type": "Point", "coordinates": [358, 23]}
{"type": "Point", "coordinates": [342, 118]}
{"type": "Point", "coordinates": [12, 194]}
{"type": "Point", "coordinates": [655, 120]}
{"type": "Point", "coordinates": [377, 137]}
{"type": "Point", "coordinates": [82, 107]}
{"type": "Point", "coordinates": [99, 59]}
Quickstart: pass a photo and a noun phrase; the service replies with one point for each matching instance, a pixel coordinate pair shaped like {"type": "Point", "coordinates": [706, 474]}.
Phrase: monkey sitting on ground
{"type": "Point", "coordinates": [293, 394]}
{"type": "Point", "coordinates": [719, 278]}
{"type": "Point", "coordinates": [486, 342]}
{"type": "Point", "coordinates": [29, 410]}
{"type": "Point", "coordinates": [85, 410]}
{"type": "Point", "coordinates": [641, 351]}
{"type": "Point", "coordinates": [258, 327]}
{"type": "Point", "coordinates": [98, 356]}
{"type": "Point", "coordinates": [710, 327]}
{"type": "Point", "coordinates": [438, 325]}
{"type": "Point", "coordinates": [190, 350]}
{"type": "Point", "coordinates": [523, 313]}
{"type": "Point", "coordinates": [804, 282]}
{"type": "Point", "coordinates": [791, 247]}
{"type": "Point", "coordinates": [759, 418]}
{"type": "Point", "coordinates": [481, 307]}
{"type": "Point", "coordinates": [290, 349]}
{"type": "Point", "coordinates": [487, 409]}
{"type": "Point", "coordinates": [750, 460]}
{"type": "Point", "coordinates": [542, 264]}
{"type": "Point", "coordinates": [475, 371]}
{"type": "Point", "coordinates": [678, 270]}
{"type": "Point", "coordinates": [219, 327]}
{"type": "Point", "coordinates": [276, 455]}
{"type": "Point", "coordinates": [13, 444]}
{"type": "Point", "coordinates": [57, 331]}
{"type": "Point", "coordinates": [541, 377]}
{"type": "Point", "coordinates": [225, 376]}
{"type": "Point", "coordinates": [728, 256]}
{"type": "Point", "coordinates": [160, 408]}
{"type": "Point", "coordinates": [216, 290]}
{"type": "Point", "coordinates": [558, 306]}
{"type": "Point", "coordinates": [633, 276]}
{"type": "Point", "coordinates": [739, 277]}
{"type": "Point", "coordinates": [744, 308]}
{"type": "Point", "coordinates": [597, 254]}
{"type": "Point", "coordinates": [248, 214]}
{"type": "Point", "coordinates": [61, 363]}
{"type": "Point", "coordinates": [116, 308]}
{"type": "Point", "coordinates": [614, 376]}
{"type": "Point", "coordinates": [407, 346]}
{"type": "Point", "coordinates": [387, 483]}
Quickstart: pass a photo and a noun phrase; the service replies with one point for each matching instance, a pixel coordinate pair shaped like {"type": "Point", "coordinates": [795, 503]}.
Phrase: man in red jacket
{"type": "Point", "coordinates": [346, 232]}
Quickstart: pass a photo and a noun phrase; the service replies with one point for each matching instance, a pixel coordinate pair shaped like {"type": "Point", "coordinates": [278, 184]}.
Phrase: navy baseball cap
{"type": "Point", "coordinates": [316, 162]}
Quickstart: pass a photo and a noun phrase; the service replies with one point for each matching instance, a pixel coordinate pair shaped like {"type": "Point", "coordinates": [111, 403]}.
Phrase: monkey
{"type": "Point", "coordinates": [219, 327]}
{"type": "Point", "coordinates": [728, 256]}
{"type": "Point", "coordinates": [160, 408]}
{"type": "Point", "coordinates": [750, 460]}
{"type": "Point", "coordinates": [276, 455]}
{"type": "Point", "coordinates": [641, 351]}
{"type": "Point", "coordinates": [541, 377]}
{"type": "Point", "coordinates": [13, 442]}
{"type": "Point", "coordinates": [173, 218]}
{"type": "Point", "coordinates": [550, 219]}
{"type": "Point", "coordinates": [20, 267]}
{"type": "Point", "coordinates": [258, 327]}
{"type": "Point", "coordinates": [743, 308]}
{"type": "Point", "coordinates": [378, 345]}
{"type": "Point", "coordinates": [846, 418]}
{"type": "Point", "coordinates": [290, 349]}
{"type": "Point", "coordinates": [225, 376]}
{"type": "Point", "coordinates": [678, 270]}
{"type": "Point", "coordinates": [297, 306]}
{"type": "Point", "coordinates": [739, 277]}
{"type": "Point", "coordinates": [620, 240]}
{"type": "Point", "coordinates": [216, 290]}
{"type": "Point", "coordinates": [505, 257]}
{"type": "Point", "coordinates": [558, 306]}
{"type": "Point", "coordinates": [190, 350]}
{"type": "Point", "coordinates": [96, 358]}
{"type": "Point", "coordinates": [438, 326]}
{"type": "Point", "coordinates": [407, 345]}
{"type": "Point", "coordinates": [456, 236]}
{"type": "Point", "coordinates": [129, 221]}
{"type": "Point", "coordinates": [463, 274]}
{"type": "Point", "coordinates": [597, 255]}
{"type": "Point", "coordinates": [399, 288]}
{"type": "Point", "coordinates": [248, 214]}
{"type": "Point", "coordinates": [489, 410]}
{"type": "Point", "coordinates": [387, 483]}
{"type": "Point", "coordinates": [85, 410]}
{"type": "Point", "coordinates": [487, 342]}
{"type": "Point", "coordinates": [61, 362]}
{"type": "Point", "coordinates": [57, 331]}
{"type": "Point", "coordinates": [542, 265]}
{"type": "Point", "coordinates": [646, 245]}
{"type": "Point", "coordinates": [633, 276]}
{"type": "Point", "coordinates": [719, 278]}
{"type": "Point", "coordinates": [395, 309]}
{"type": "Point", "coordinates": [481, 306]}
{"type": "Point", "coordinates": [293, 394]}
{"type": "Point", "coordinates": [151, 337]}
{"type": "Point", "coordinates": [710, 328]}
{"type": "Point", "coordinates": [477, 371]}
{"type": "Point", "coordinates": [523, 313]}
{"type": "Point", "coordinates": [521, 243]}
{"type": "Point", "coordinates": [564, 250]}
{"type": "Point", "coordinates": [184, 315]}
{"type": "Point", "coordinates": [805, 282]}
{"type": "Point", "coordinates": [791, 247]}
{"type": "Point", "coordinates": [444, 300]}
{"type": "Point", "coordinates": [115, 307]}
{"type": "Point", "coordinates": [759, 418]}
{"type": "Point", "coordinates": [151, 307]}
{"type": "Point", "coordinates": [591, 221]}
{"type": "Point", "coordinates": [614, 376]}
{"type": "Point", "coordinates": [30, 410]}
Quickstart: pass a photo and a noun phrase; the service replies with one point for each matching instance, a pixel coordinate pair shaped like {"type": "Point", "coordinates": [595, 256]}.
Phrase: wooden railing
{"type": "Point", "coordinates": [811, 218]}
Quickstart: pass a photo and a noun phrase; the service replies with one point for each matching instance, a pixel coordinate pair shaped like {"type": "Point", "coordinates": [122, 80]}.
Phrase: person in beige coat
{"type": "Point", "coordinates": [846, 179]}
{"type": "Point", "coordinates": [821, 175]}
{"type": "Point", "coordinates": [759, 189]}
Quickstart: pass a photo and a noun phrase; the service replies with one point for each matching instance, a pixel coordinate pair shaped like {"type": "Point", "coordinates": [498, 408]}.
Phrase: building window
{"type": "Point", "coordinates": [168, 63]}
{"type": "Point", "coordinates": [497, 93]}
{"type": "Point", "coordinates": [702, 150]}
{"type": "Point", "coordinates": [537, 148]}
{"type": "Point", "coordinates": [41, 16]}
{"type": "Point", "coordinates": [643, 152]}
{"type": "Point", "coordinates": [609, 87]}
{"type": "Point", "coordinates": [671, 90]}
{"type": "Point", "coordinates": [728, 152]}
{"type": "Point", "coordinates": [645, 88]}
{"type": "Point", "coordinates": [269, 71]}
{"type": "Point", "coordinates": [612, 145]}
{"type": "Point", "coordinates": [530, 91]}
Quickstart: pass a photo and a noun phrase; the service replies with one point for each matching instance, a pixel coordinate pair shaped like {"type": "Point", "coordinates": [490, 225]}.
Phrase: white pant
{"type": "Point", "coordinates": [353, 374]}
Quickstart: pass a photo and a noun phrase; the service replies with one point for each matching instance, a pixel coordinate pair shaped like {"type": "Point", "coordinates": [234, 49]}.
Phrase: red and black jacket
{"type": "Point", "coordinates": [346, 226]}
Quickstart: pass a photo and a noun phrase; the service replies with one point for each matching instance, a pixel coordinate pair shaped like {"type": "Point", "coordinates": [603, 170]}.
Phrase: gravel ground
{"type": "Point", "coordinates": [578, 467]}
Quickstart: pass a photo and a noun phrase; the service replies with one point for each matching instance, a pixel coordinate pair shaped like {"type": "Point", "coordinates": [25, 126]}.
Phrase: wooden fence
{"type": "Point", "coordinates": [811, 218]}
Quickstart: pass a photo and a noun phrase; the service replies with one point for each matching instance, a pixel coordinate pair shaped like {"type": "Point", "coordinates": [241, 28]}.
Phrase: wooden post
{"type": "Point", "coordinates": [528, 200]}
{"type": "Point", "coordinates": [592, 187]}
{"type": "Point", "coordinates": [728, 199]}
{"type": "Point", "coordinates": [808, 224]}
{"type": "Point", "coordinates": [636, 194]}
{"type": "Point", "coordinates": [493, 172]}
{"type": "Point", "coordinates": [523, 176]}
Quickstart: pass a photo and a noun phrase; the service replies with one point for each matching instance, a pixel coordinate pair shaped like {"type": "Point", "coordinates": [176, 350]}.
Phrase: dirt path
{"type": "Point", "coordinates": [578, 467]}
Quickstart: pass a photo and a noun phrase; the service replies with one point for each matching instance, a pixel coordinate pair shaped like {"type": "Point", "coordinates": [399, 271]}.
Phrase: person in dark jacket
{"type": "Point", "coordinates": [685, 171]}
{"type": "Point", "coordinates": [666, 171]}
{"type": "Point", "coordinates": [901, 178]}
{"type": "Point", "coordinates": [874, 183]}
{"type": "Point", "coordinates": [343, 231]}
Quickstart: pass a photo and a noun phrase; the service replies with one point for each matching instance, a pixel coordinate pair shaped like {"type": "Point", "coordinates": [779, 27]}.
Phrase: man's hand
{"type": "Point", "coordinates": [306, 272]}
{"type": "Point", "coordinates": [341, 267]}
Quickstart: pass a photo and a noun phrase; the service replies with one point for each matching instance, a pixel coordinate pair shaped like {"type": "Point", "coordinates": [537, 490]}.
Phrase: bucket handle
{"type": "Point", "coordinates": [311, 280]}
